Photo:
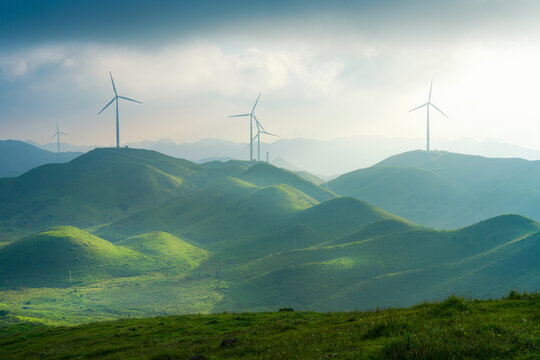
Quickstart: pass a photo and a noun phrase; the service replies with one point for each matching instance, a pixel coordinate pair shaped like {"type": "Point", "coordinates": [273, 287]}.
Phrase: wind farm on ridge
{"type": "Point", "coordinates": [336, 224]}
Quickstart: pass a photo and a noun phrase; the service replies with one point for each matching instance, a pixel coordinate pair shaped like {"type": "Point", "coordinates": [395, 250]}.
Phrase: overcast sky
{"type": "Point", "coordinates": [326, 69]}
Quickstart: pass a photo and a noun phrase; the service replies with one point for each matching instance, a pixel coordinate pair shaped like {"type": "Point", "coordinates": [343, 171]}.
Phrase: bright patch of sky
{"type": "Point", "coordinates": [325, 69]}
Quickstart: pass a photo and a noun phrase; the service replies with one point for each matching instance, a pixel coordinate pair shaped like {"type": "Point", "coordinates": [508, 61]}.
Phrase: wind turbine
{"type": "Point", "coordinates": [260, 130]}
{"type": "Point", "coordinates": [115, 98]}
{"type": "Point", "coordinates": [251, 116]}
{"type": "Point", "coordinates": [427, 105]}
{"type": "Point", "coordinates": [57, 134]}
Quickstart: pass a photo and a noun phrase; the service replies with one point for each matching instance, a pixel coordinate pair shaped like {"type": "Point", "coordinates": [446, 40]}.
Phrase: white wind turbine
{"type": "Point", "coordinates": [251, 115]}
{"type": "Point", "coordinates": [260, 130]}
{"type": "Point", "coordinates": [427, 105]}
{"type": "Point", "coordinates": [115, 98]}
{"type": "Point", "coordinates": [57, 134]}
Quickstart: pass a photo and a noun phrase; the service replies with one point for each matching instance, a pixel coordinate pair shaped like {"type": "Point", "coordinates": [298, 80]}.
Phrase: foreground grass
{"type": "Point", "coordinates": [453, 329]}
{"type": "Point", "coordinates": [147, 295]}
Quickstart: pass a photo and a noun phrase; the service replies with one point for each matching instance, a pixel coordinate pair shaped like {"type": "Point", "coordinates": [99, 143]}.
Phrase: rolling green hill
{"type": "Point", "coordinates": [47, 257]}
{"type": "Point", "coordinates": [225, 210]}
{"type": "Point", "coordinates": [446, 190]}
{"type": "Point", "coordinates": [169, 251]}
{"type": "Point", "coordinates": [264, 174]}
{"type": "Point", "coordinates": [250, 220]}
{"type": "Point", "coordinates": [97, 188]}
{"type": "Point", "coordinates": [391, 269]}
{"type": "Point", "coordinates": [108, 184]}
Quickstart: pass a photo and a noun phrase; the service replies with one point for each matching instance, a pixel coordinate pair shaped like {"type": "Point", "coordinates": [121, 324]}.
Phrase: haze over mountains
{"type": "Point", "coordinates": [322, 158]}
{"type": "Point", "coordinates": [240, 236]}
{"type": "Point", "coordinates": [446, 190]}
{"type": "Point", "coordinates": [17, 157]}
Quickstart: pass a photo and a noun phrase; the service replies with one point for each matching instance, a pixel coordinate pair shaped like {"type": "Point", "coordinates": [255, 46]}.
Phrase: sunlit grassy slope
{"type": "Point", "coordinates": [453, 329]}
{"type": "Point", "coordinates": [375, 268]}
{"type": "Point", "coordinates": [46, 258]}
{"type": "Point", "coordinates": [264, 174]}
{"type": "Point", "coordinates": [446, 190]}
{"type": "Point", "coordinates": [96, 188]}
{"type": "Point", "coordinates": [222, 211]}
{"type": "Point", "coordinates": [169, 251]}
{"type": "Point", "coordinates": [108, 184]}
{"type": "Point", "coordinates": [249, 220]}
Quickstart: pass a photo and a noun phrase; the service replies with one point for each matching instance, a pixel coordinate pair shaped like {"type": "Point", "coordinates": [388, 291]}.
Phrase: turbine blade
{"type": "Point", "coordinates": [239, 115]}
{"type": "Point", "coordinates": [57, 127]}
{"type": "Point", "coordinates": [256, 101]}
{"type": "Point", "coordinates": [106, 106]}
{"type": "Point", "coordinates": [259, 125]}
{"type": "Point", "coordinates": [114, 87]}
{"type": "Point", "coordinates": [267, 133]}
{"type": "Point", "coordinates": [125, 98]}
{"type": "Point", "coordinates": [438, 109]}
{"type": "Point", "coordinates": [430, 88]}
{"type": "Point", "coordinates": [416, 108]}
{"type": "Point", "coordinates": [52, 137]}
{"type": "Point", "coordinates": [63, 133]}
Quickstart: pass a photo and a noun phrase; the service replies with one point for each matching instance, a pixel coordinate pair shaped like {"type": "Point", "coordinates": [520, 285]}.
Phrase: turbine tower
{"type": "Point", "coordinates": [251, 116]}
{"type": "Point", "coordinates": [115, 98]}
{"type": "Point", "coordinates": [260, 130]}
{"type": "Point", "coordinates": [427, 105]}
{"type": "Point", "coordinates": [57, 134]}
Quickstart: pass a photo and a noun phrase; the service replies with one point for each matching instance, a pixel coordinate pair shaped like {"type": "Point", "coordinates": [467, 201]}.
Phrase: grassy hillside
{"type": "Point", "coordinates": [264, 174]}
{"type": "Point", "coordinates": [171, 251]}
{"type": "Point", "coordinates": [225, 210]}
{"type": "Point", "coordinates": [390, 269]}
{"type": "Point", "coordinates": [446, 190]}
{"type": "Point", "coordinates": [97, 188]}
{"type": "Point", "coordinates": [309, 227]}
{"type": "Point", "coordinates": [452, 329]}
{"type": "Point", "coordinates": [310, 177]}
{"type": "Point", "coordinates": [250, 220]}
{"type": "Point", "coordinates": [17, 157]}
{"type": "Point", "coordinates": [46, 258]}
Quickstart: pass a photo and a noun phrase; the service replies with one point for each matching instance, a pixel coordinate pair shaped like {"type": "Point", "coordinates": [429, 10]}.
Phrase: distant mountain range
{"type": "Point", "coordinates": [235, 236]}
{"type": "Point", "coordinates": [17, 157]}
{"type": "Point", "coordinates": [322, 158]}
{"type": "Point", "coordinates": [446, 190]}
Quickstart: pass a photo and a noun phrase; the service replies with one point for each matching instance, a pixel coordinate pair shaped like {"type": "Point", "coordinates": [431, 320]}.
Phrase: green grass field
{"type": "Point", "coordinates": [452, 329]}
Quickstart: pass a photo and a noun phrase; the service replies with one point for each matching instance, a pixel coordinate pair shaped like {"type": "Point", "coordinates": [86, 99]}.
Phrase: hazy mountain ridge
{"type": "Point", "coordinates": [17, 157]}
{"type": "Point", "coordinates": [446, 190]}
{"type": "Point", "coordinates": [323, 158]}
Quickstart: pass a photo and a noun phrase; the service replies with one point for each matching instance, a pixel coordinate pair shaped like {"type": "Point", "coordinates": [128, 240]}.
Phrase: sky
{"type": "Point", "coordinates": [326, 69]}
